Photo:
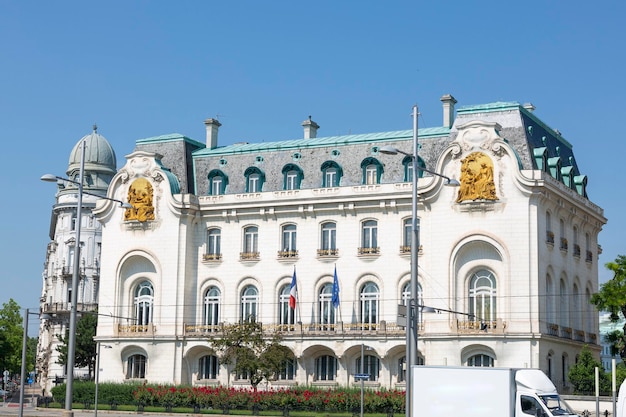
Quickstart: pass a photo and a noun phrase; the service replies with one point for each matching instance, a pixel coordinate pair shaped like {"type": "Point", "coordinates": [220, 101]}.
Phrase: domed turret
{"type": "Point", "coordinates": [100, 162]}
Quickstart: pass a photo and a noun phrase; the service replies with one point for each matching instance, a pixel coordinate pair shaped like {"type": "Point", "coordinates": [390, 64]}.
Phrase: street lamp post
{"type": "Point", "coordinates": [23, 369]}
{"type": "Point", "coordinates": [412, 324]}
{"type": "Point", "coordinates": [71, 345]}
{"type": "Point", "coordinates": [95, 406]}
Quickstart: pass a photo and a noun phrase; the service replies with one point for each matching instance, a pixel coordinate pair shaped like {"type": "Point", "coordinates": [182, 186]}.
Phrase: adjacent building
{"type": "Point", "coordinates": [56, 295]}
{"type": "Point", "coordinates": [217, 233]}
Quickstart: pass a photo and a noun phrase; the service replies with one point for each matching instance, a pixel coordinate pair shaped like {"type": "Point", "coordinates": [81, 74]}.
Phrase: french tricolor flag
{"type": "Point", "coordinates": [293, 293]}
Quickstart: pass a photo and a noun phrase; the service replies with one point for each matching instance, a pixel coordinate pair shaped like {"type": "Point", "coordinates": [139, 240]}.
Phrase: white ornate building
{"type": "Point", "coordinates": [56, 295]}
{"type": "Point", "coordinates": [216, 234]}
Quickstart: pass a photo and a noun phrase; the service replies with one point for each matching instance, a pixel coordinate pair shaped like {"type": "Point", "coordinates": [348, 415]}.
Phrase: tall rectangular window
{"type": "Point", "coordinates": [214, 239]}
{"type": "Point", "coordinates": [216, 185]}
{"type": "Point", "coordinates": [251, 240]}
{"type": "Point", "coordinates": [329, 236]}
{"type": "Point", "coordinates": [291, 180]}
{"type": "Point", "coordinates": [253, 183]}
{"type": "Point", "coordinates": [331, 177]}
{"type": "Point", "coordinates": [371, 174]}
{"type": "Point", "coordinates": [289, 238]}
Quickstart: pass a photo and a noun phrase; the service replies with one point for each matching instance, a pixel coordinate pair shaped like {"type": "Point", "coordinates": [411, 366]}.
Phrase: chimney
{"type": "Point", "coordinates": [212, 125]}
{"type": "Point", "coordinates": [448, 110]}
{"type": "Point", "coordinates": [310, 128]}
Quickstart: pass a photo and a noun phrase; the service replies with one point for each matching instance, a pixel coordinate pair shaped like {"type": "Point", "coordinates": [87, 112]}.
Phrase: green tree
{"type": "Point", "coordinates": [582, 374]}
{"type": "Point", "coordinates": [250, 352]}
{"type": "Point", "coordinates": [85, 351]}
{"type": "Point", "coordinates": [11, 334]}
{"type": "Point", "coordinates": [612, 298]}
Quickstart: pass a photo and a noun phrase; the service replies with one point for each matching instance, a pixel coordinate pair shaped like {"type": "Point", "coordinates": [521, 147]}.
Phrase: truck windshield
{"type": "Point", "coordinates": [556, 406]}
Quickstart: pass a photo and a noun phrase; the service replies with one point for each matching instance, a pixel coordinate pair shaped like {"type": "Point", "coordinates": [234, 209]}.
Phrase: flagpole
{"type": "Point", "coordinates": [298, 308]}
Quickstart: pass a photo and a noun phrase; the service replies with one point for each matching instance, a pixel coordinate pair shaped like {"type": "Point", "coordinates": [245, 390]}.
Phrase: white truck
{"type": "Point", "coordinates": [474, 391]}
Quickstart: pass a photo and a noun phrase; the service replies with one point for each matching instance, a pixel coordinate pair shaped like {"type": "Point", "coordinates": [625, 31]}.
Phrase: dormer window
{"type": "Point", "coordinates": [254, 180]}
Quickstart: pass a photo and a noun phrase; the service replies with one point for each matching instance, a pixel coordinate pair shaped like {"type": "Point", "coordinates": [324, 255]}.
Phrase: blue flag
{"type": "Point", "coordinates": [335, 298]}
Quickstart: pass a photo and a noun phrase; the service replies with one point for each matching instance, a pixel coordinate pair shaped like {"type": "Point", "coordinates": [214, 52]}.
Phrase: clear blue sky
{"type": "Point", "coordinates": [147, 68]}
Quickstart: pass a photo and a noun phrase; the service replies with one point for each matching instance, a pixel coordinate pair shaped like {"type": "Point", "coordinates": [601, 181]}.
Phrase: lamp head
{"type": "Point", "coordinates": [49, 178]}
{"type": "Point", "coordinates": [126, 205]}
{"type": "Point", "coordinates": [388, 150]}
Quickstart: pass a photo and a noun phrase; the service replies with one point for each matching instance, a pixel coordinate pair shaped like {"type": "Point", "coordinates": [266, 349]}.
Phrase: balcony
{"type": "Point", "coordinates": [135, 330]}
{"type": "Point", "coordinates": [327, 253]}
{"type": "Point", "coordinates": [579, 336]}
{"type": "Point", "coordinates": [566, 332]}
{"type": "Point", "coordinates": [369, 251]}
{"type": "Point", "coordinates": [212, 257]}
{"type": "Point", "coordinates": [563, 244]}
{"type": "Point", "coordinates": [406, 250]}
{"type": "Point", "coordinates": [287, 254]}
{"type": "Point", "coordinates": [589, 256]}
{"type": "Point", "coordinates": [550, 238]}
{"type": "Point", "coordinates": [479, 326]}
{"type": "Point", "coordinates": [338, 329]}
{"type": "Point", "coordinates": [64, 308]}
{"type": "Point", "coordinates": [576, 251]}
{"type": "Point", "coordinates": [202, 329]}
{"type": "Point", "coordinates": [552, 329]}
{"type": "Point", "coordinates": [249, 256]}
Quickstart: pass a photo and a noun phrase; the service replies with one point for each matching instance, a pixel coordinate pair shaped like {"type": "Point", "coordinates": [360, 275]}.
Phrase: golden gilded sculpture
{"type": "Point", "coordinates": [477, 178]}
{"type": "Point", "coordinates": [140, 197]}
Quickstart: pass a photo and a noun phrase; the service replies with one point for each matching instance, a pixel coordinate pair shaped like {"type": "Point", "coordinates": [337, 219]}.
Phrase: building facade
{"type": "Point", "coordinates": [216, 235]}
{"type": "Point", "coordinates": [56, 296]}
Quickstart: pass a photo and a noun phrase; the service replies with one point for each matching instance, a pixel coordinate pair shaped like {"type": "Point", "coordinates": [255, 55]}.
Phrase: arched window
{"type": "Point", "coordinates": [369, 238]}
{"type": "Point", "coordinates": [211, 312]}
{"type": "Point", "coordinates": [213, 245]}
{"type": "Point", "coordinates": [208, 367]}
{"type": "Point", "coordinates": [407, 235]}
{"type": "Point", "coordinates": [292, 177]}
{"type": "Point", "coordinates": [550, 312]}
{"type": "Point", "coordinates": [143, 301]}
{"type": "Point", "coordinates": [402, 366]}
{"type": "Point", "coordinates": [480, 360]}
{"type": "Point", "coordinates": [136, 367]}
{"type": "Point", "coordinates": [482, 295]}
{"type": "Point", "coordinates": [549, 360]}
{"type": "Point", "coordinates": [563, 305]}
{"type": "Point", "coordinates": [328, 244]}
{"type": "Point", "coordinates": [325, 368]}
{"type": "Point", "coordinates": [372, 171]}
{"type": "Point", "coordinates": [288, 242]}
{"type": "Point", "coordinates": [575, 242]}
{"type": "Point", "coordinates": [407, 162]}
{"type": "Point", "coordinates": [370, 297]}
{"type": "Point", "coordinates": [576, 308]}
{"type": "Point", "coordinates": [249, 303]}
{"type": "Point", "coordinates": [326, 309]}
{"type": "Point", "coordinates": [549, 231]}
{"type": "Point", "coordinates": [563, 238]}
{"type": "Point", "coordinates": [590, 317]}
{"type": "Point", "coordinates": [402, 369]}
{"type": "Point", "coordinates": [217, 182]}
{"type": "Point", "coordinates": [286, 315]}
{"type": "Point", "coordinates": [331, 174]}
{"type": "Point", "coordinates": [288, 371]}
{"type": "Point", "coordinates": [254, 180]}
{"type": "Point", "coordinates": [406, 295]}
{"type": "Point", "coordinates": [250, 243]}
{"type": "Point", "coordinates": [371, 366]}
